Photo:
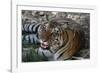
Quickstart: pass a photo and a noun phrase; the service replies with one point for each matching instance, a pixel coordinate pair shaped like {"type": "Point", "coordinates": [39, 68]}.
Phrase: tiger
{"type": "Point", "coordinates": [57, 43]}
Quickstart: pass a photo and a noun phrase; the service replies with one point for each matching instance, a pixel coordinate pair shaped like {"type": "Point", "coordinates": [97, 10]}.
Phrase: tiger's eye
{"type": "Point", "coordinates": [56, 39]}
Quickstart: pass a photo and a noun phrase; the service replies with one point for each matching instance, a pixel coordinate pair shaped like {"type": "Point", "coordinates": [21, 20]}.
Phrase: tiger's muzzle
{"type": "Point", "coordinates": [44, 45]}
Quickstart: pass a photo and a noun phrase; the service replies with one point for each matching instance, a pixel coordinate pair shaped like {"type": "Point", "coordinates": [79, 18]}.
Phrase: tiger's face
{"type": "Point", "coordinates": [50, 36]}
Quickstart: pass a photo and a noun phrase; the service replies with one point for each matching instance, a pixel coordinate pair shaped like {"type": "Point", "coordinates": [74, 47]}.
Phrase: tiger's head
{"type": "Point", "coordinates": [50, 35]}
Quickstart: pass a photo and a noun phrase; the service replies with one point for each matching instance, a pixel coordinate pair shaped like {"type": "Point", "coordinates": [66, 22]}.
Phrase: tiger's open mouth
{"type": "Point", "coordinates": [44, 45]}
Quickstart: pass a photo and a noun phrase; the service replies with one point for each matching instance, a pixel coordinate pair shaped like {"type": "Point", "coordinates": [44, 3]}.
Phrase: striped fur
{"type": "Point", "coordinates": [30, 28]}
{"type": "Point", "coordinates": [30, 32]}
{"type": "Point", "coordinates": [30, 39]}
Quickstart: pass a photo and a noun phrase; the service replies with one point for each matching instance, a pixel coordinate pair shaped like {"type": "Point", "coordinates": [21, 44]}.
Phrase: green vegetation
{"type": "Point", "coordinates": [29, 54]}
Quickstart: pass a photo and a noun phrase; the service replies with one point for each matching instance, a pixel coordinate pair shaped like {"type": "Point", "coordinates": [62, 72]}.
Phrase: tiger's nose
{"type": "Point", "coordinates": [44, 42]}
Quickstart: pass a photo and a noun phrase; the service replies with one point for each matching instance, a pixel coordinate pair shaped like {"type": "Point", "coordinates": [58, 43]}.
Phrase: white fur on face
{"type": "Point", "coordinates": [56, 29]}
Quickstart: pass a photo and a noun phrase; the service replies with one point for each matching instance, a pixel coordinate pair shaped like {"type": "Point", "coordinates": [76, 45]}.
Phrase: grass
{"type": "Point", "coordinates": [29, 54]}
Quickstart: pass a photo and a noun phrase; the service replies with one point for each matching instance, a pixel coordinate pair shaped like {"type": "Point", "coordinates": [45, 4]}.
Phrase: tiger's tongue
{"type": "Point", "coordinates": [44, 45]}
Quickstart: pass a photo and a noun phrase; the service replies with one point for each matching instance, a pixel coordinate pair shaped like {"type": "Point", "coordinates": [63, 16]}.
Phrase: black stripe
{"type": "Point", "coordinates": [24, 27]}
{"type": "Point", "coordinates": [67, 35]}
{"type": "Point", "coordinates": [50, 50]}
{"type": "Point", "coordinates": [37, 35]}
{"type": "Point", "coordinates": [32, 28]}
{"type": "Point", "coordinates": [37, 28]}
{"type": "Point", "coordinates": [44, 55]}
{"type": "Point", "coordinates": [59, 48]}
{"type": "Point", "coordinates": [23, 37]}
{"type": "Point", "coordinates": [63, 34]}
{"type": "Point", "coordinates": [61, 54]}
{"type": "Point", "coordinates": [28, 27]}
{"type": "Point", "coordinates": [29, 39]}
{"type": "Point", "coordinates": [47, 49]}
{"type": "Point", "coordinates": [38, 51]}
{"type": "Point", "coordinates": [33, 40]}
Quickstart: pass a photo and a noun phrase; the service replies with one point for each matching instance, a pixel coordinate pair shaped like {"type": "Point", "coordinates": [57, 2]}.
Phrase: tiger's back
{"type": "Point", "coordinates": [70, 47]}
